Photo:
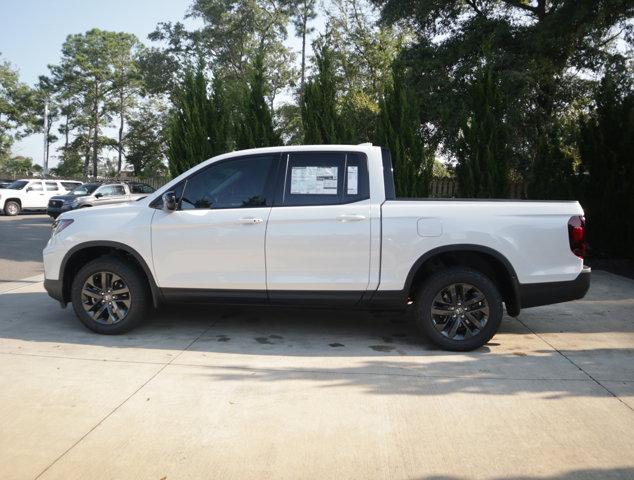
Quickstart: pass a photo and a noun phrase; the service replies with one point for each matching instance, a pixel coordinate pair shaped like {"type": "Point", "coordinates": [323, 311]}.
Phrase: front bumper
{"type": "Point", "coordinates": [536, 294]}
{"type": "Point", "coordinates": [55, 289]}
{"type": "Point", "coordinates": [57, 211]}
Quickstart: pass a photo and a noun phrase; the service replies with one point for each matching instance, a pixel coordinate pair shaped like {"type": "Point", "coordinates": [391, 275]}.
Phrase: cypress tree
{"type": "Point", "coordinates": [321, 122]}
{"type": "Point", "coordinates": [606, 144]}
{"type": "Point", "coordinates": [483, 152]}
{"type": "Point", "coordinates": [199, 127]}
{"type": "Point", "coordinates": [188, 140]}
{"type": "Point", "coordinates": [399, 129]}
{"type": "Point", "coordinates": [256, 128]}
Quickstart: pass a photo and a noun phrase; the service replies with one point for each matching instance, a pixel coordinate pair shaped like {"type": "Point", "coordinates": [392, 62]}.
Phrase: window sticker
{"type": "Point", "coordinates": [353, 180]}
{"type": "Point", "coordinates": [314, 180]}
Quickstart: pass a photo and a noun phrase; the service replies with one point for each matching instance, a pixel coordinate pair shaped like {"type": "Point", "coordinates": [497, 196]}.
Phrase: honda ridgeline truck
{"type": "Point", "coordinates": [316, 226]}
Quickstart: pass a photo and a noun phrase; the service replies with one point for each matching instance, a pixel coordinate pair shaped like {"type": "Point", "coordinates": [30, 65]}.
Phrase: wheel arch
{"type": "Point", "coordinates": [484, 259]}
{"type": "Point", "coordinates": [17, 200]}
{"type": "Point", "coordinates": [84, 252]}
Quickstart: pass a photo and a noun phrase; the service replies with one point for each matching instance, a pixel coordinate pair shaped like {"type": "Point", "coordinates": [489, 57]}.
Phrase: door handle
{"type": "Point", "coordinates": [250, 221]}
{"type": "Point", "coordinates": [351, 218]}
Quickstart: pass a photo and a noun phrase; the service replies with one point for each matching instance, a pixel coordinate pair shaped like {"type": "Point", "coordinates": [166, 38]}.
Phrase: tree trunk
{"type": "Point", "coordinates": [87, 154]}
{"type": "Point", "coordinates": [95, 133]}
{"type": "Point", "coordinates": [303, 80]}
{"type": "Point", "coordinates": [120, 146]}
{"type": "Point", "coordinates": [66, 135]}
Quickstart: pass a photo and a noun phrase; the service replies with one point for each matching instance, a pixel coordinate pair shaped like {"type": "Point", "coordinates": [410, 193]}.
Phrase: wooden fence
{"type": "Point", "coordinates": [448, 188]}
{"type": "Point", "coordinates": [439, 187]}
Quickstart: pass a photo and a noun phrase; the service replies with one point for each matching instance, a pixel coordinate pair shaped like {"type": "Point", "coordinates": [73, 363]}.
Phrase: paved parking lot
{"type": "Point", "coordinates": [22, 239]}
{"type": "Point", "coordinates": [280, 393]}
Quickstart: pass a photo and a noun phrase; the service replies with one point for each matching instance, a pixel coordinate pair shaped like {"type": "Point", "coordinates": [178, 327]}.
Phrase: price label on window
{"type": "Point", "coordinates": [314, 180]}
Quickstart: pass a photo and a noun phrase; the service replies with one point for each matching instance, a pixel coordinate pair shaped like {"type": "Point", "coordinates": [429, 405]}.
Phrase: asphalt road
{"type": "Point", "coordinates": [22, 239]}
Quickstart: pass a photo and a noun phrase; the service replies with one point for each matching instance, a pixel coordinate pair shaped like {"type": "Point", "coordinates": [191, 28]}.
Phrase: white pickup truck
{"type": "Point", "coordinates": [317, 225]}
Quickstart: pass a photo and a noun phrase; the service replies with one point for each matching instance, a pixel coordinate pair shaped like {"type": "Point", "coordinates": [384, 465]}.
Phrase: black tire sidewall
{"type": "Point", "coordinates": [135, 281]}
{"type": "Point", "coordinates": [439, 280]}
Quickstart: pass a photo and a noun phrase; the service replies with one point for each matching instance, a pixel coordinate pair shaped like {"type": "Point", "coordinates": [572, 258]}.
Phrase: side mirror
{"type": "Point", "coordinates": [98, 195]}
{"type": "Point", "coordinates": [169, 201]}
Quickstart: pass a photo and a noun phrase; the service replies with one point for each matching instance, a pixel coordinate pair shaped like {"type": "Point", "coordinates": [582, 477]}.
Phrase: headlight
{"type": "Point", "coordinates": [61, 224]}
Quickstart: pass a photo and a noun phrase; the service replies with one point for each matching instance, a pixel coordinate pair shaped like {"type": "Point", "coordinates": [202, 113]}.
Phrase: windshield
{"type": "Point", "coordinates": [85, 189]}
{"type": "Point", "coordinates": [18, 185]}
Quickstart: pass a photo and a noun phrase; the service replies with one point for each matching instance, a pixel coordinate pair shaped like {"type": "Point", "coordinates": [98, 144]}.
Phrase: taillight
{"type": "Point", "coordinates": [577, 236]}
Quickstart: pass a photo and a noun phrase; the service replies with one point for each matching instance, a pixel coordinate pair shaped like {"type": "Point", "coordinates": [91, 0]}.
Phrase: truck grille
{"type": "Point", "coordinates": [55, 203]}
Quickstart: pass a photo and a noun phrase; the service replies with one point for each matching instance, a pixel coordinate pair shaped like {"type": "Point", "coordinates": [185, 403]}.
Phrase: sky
{"type": "Point", "coordinates": [32, 33]}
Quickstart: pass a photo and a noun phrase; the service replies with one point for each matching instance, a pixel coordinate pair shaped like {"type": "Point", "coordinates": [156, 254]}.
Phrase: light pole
{"type": "Point", "coordinates": [45, 162]}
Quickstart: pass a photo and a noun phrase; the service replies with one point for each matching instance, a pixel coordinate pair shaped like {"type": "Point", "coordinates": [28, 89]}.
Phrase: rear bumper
{"type": "Point", "coordinates": [536, 294]}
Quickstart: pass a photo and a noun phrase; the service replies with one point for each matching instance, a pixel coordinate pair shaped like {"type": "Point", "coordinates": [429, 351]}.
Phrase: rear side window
{"type": "Point", "coordinates": [235, 183]}
{"type": "Point", "coordinates": [112, 190]}
{"type": "Point", "coordinates": [51, 186]}
{"type": "Point", "coordinates": [70, 185]}
{"type": "Point", "coordinates": [140, 188]}
{"type": "Point", "coordinates": [325, 178]}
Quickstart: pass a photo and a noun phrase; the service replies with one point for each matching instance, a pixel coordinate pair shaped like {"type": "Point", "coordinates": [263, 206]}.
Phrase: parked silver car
{"type": "Point", "coordinates": [95, 194]}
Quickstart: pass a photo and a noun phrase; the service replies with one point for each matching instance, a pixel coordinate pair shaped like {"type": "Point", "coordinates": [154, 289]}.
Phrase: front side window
{"type": "Point", "coordinates": [35, 187]}
{"type": "Point", "coordinates": [51, 186]}
{"type": "Point", "coordinates": [18, 185]}
{"type": "Point", "coordinates": [236, 183]}
{"type": "Point", "coordinates": [325, 178]}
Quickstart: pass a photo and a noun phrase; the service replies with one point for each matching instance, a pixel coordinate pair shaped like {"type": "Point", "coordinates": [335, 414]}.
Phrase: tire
{"type": "Point", "coordinates": [12, 208]}
{"type": "Point", "coordinates": [110, 313]}
{"type": "Point", "coordinates": [467, 324]}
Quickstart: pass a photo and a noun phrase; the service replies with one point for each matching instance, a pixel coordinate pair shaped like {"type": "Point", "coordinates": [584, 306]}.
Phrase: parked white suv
{"type": "Point", "coordinates": [32, 194]}
{"type": "Point", "coordinates": [316, 225]}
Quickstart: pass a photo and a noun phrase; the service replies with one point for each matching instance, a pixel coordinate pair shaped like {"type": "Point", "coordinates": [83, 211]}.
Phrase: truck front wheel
{"type": "Point", "coordinates": [110, 296]}
{"type": "Point", "coordinates": [12, 208]}
{"type": "Point", "coordinates": [458, 309]}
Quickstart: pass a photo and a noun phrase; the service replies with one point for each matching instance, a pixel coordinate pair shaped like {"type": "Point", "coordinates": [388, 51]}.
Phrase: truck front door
{"type": "Point", "coordinates": [34, 195]}
{"type": "Point", "coordinates": [213, 244]}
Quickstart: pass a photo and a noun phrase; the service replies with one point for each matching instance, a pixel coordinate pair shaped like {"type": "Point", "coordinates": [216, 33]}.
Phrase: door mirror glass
{"type": "Point", "coordinates": [169, 201]}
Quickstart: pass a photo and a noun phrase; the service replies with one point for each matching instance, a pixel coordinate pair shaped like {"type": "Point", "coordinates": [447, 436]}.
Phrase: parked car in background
{"type": "Point", "coordinates": [32, 194]}
{"type": "Point", "coordinates": [317, 225]}
{"type": "Point", "coordinates": [96, 194]}
{"type": "Point", "coordinates": [4, 183]}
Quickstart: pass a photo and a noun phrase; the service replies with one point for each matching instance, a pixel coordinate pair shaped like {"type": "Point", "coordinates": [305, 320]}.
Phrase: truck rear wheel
{"type": "Point", "coordinates": [110, 296]}
{"type": "Point", "coordinates": [459, 309]}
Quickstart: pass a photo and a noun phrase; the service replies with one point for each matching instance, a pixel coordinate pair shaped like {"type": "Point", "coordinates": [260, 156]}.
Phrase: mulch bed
{"type": "Point", "coordinates": [618, 266]}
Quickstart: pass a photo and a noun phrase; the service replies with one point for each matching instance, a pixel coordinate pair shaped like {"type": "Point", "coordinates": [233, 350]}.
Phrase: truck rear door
{"type": "Point", "coordinates": [319, 230]}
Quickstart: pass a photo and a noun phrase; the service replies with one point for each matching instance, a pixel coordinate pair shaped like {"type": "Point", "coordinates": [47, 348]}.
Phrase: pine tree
{"type": "Point", "coordinates": [483, 153]}
{"type": "Point", "coordinates": [321, 122]}
{"type": "Point", "coordinates": [256, 127]}
{"type": "Point", "coordinates": [400, 130]}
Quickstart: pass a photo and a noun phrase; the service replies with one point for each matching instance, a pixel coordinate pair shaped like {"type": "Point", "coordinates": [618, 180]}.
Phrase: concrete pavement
{"type": "Point", "coordinates": [275, 393]}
